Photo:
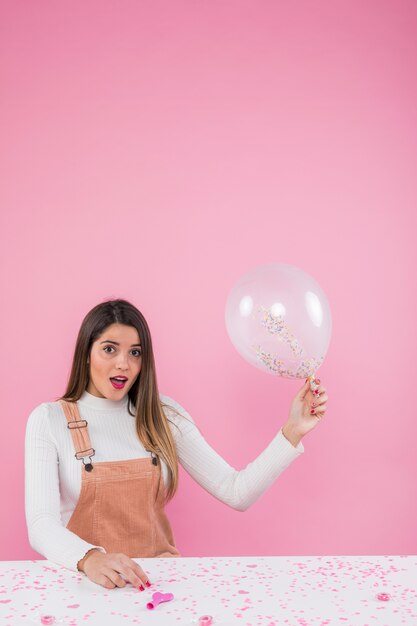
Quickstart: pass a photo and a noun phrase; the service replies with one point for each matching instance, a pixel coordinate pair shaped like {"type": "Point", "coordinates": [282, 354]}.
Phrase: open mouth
{"type": "Point", "coordinates": [118, 382]}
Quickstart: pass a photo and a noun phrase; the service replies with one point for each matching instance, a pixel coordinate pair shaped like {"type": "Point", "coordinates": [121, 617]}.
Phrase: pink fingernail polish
{"type": "Point", "coordinates": [141, 588]}
{"type": "Point", "coordinates": [148, 584]}
{"type": "Point", "coordinates": [312, 411]}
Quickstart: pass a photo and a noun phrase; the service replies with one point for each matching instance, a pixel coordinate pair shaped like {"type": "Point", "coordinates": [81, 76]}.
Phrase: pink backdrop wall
{"type": "Point", "coordinates": [156, 151]}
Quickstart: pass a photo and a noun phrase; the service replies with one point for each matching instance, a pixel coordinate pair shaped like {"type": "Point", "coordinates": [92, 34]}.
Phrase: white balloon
{"type": "Point", "coordinates": [278, 318]}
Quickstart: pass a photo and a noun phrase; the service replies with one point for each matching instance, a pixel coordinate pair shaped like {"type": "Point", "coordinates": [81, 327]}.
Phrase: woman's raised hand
{"type": "Point", "coordinates": [307, 408]}
{"type": "Point", "coordinates": [113, 570]}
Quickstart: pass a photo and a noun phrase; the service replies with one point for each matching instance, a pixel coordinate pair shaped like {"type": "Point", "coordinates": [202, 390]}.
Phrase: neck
{"type": "Point", "coordinates": [103, 403]}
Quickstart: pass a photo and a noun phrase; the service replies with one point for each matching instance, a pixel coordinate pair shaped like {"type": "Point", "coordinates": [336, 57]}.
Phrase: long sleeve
{"type": "Point", "coordinates": [47, 534]}
{"type": "Point", "coordinates": [237, 489]}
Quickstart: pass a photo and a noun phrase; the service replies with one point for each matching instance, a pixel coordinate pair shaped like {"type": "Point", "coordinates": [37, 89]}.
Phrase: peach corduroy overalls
{"type": "Point", "coordinates": [121, 503]}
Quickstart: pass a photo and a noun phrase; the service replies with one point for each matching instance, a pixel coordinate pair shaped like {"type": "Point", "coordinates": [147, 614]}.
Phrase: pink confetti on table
{"type": "Point", "coordinates": [251, 591]}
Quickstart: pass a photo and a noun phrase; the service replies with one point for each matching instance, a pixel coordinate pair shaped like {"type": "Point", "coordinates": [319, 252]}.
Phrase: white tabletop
{"type": "Point", "coordinates": [247, 591]}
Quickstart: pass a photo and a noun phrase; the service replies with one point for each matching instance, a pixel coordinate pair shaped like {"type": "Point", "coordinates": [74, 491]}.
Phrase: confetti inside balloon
{"type": "Point", "coordinates": [278, 318]}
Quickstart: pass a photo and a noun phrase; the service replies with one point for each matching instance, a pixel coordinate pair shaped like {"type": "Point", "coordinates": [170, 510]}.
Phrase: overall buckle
{"type": "Point", "coordinates": [73, 424]}
{"type": "Point", "coordinates": [86, 453]}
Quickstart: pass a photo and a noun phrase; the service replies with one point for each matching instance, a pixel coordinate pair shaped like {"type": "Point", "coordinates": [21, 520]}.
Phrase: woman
{"type": "Point", "coordinates": [101, 462]}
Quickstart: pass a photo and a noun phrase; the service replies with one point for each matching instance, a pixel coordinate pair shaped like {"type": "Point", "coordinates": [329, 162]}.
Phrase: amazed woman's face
{"type": "Point", "coordinates": [115, 362]}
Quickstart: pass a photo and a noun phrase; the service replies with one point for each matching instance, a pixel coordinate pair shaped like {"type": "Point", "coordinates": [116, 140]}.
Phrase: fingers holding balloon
{"type": "Point", "coordinates": [314, 383]}
{"type": "Point", "coordinates": [318, 394]}
{"type": "Point", "coordinates": [319, 400]}
{"type": "Point", "coordinates": [318, 411]}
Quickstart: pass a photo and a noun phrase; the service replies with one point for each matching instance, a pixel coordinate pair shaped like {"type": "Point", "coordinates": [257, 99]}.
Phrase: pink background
{"type": "Point", "coordinates": [156, 151]}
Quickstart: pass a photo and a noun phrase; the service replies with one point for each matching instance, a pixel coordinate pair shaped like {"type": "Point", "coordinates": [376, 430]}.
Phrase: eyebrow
{"type": "Point", "coordinates": [134, 345]}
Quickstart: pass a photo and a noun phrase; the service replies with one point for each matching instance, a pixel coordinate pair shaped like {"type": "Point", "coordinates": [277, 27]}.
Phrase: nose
{"type": "Point", "coordinates": [122, 362]}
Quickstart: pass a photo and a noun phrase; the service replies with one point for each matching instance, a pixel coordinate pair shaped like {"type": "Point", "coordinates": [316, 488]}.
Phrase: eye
{"type": "Point", "coordinates": [108, 349]}
{"type": "Point", "coordinates": [137, 353]}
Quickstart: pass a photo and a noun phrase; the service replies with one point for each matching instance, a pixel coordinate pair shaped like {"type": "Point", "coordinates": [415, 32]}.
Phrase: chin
{"type": "Point", "coordinates": [117, 395]}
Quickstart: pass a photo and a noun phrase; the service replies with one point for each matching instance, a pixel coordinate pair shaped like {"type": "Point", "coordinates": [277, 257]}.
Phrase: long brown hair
{"type": "Point", "coordinates": [151, 422]}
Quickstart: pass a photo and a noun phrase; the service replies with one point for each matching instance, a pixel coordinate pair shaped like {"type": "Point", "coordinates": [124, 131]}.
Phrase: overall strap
{"type": "Point", "coordinates": [79, 433]}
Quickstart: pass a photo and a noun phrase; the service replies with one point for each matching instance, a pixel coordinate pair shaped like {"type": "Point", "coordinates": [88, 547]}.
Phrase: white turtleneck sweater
{"type": "Point", "coordinates": [53, 475]}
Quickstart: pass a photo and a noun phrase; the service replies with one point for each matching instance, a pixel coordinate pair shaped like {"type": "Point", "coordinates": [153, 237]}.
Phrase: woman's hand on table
{"type": "Point", "coordinates": [113, 570]}
{"type": "Point", "coordinates": [306, 410]}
